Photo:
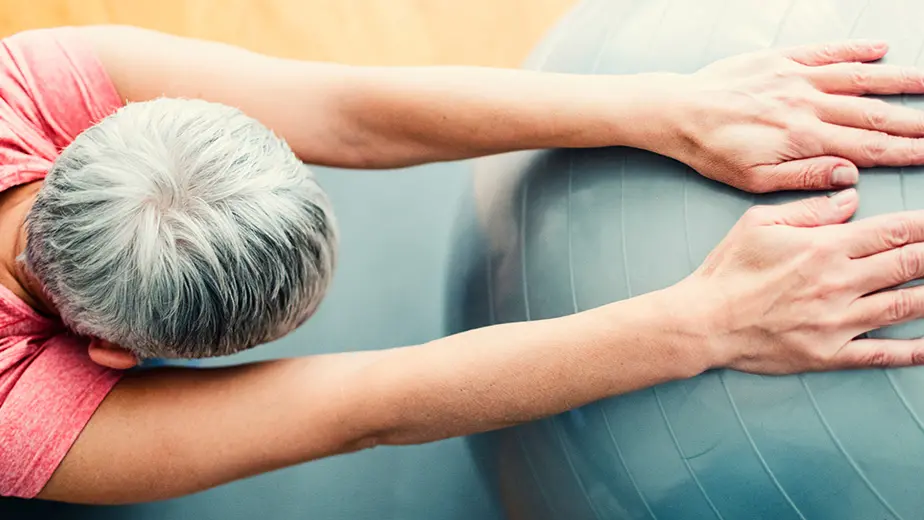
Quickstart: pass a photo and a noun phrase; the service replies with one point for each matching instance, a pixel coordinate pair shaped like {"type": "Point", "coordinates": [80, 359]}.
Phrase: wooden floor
{"type": "Point", "coordinates": [380, 32]}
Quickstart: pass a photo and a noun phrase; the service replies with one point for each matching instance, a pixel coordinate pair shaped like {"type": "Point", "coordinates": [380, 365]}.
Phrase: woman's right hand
{"type": "Point", "coordinates": [791, 288]}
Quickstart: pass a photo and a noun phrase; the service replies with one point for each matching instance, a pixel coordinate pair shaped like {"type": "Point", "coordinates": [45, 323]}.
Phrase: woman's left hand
{"type": "Point", "coordinates": [794, 119]}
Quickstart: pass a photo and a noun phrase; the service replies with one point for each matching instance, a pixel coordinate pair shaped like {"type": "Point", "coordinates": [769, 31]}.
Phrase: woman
{"type": "Point", "coordinates": [154, 203]}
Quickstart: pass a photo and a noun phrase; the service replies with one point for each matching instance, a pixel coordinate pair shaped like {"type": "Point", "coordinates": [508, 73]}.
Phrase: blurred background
{"type": "Point", "coordinates": [396, 249]}
{"type": "Point", "coordinates": [379, 32]}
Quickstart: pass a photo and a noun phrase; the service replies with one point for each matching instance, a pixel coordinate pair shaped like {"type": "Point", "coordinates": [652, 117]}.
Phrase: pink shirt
{"type": "Point", "coordinates": [52, 87]}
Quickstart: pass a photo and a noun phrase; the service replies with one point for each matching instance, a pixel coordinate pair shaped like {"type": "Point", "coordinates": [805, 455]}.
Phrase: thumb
{"type": "Point", "coordinates": [814, 173]}
{"type": "Point", "coordinates": [814, 211]}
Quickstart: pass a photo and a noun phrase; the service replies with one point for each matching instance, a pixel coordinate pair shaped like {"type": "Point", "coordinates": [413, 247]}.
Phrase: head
{"type": "Point", "coordinates": [180, 229]}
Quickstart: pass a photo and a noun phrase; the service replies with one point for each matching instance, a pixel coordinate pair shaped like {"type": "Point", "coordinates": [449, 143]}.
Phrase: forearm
{"type": "Point", "coordinates": [500, 376]}
{"type": "Point", "coordinates": [378, 117]}
{"type": "Point", "coordinates": [404, 116]}
{"type": "Point", "coordinates": [171, 432]}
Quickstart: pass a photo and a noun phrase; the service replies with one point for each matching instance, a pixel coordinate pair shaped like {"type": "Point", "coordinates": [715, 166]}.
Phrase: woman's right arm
{"type": "Point", "coordinates": [786, 291]}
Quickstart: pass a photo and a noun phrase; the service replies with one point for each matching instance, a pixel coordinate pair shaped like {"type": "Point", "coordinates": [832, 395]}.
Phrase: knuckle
{"type": "Point", "coordinates": [824, 253]}
{"type": "Point", "coordinates": [826, 289]}
{"type": "Point", "coordinates": [915, 151]}
{"type": "Point", "coordinates": [860, 77]}
{"type": "Point", "coordinates": [816, 175]}
{"type": "Point", "coordinates": [825, 360]}
{"type": "Point", "coordinates": [917, 356]}
{"type": "Point", "coordinates": [830, 327]}
{"type": "Point", "coordinates": [808, 178]}
{"type": "Point", "coordinates": [828, 51]}
{"type": "Point", "coordinates": [914, 120]}
{"type": "Point", "coordinates": [878, 359]}
{"type": "Point", "coordinates": [782, 74]}
{"type": "Point", "coordinates": [917, 124]}
{"type": "Point", "coordinates": [801, 137]}
{"type": "Point", "coordinates": [911, 77]}
{"type": "Point", "coordinates": [876, 117]}
{"type": "Point", "coordinates": [901, 306]}
{"type": "Point", "coordinates": [898, 233]}
{"type": "Point", "coordinates": [794, 99]}
{"type": "Point", "coordinates": [801, 131]}
{"type": "Point", "coordinates": [821, 361]}
{"type": "Point", "coordinates": [909, 264]}
{"type": "Point", "coordinates": [911, 151]}
{"type": "Point", "coordinates": [875, 147]}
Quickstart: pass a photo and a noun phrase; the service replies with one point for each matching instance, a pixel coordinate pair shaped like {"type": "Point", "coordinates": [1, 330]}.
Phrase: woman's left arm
{"type": "Point", "coordinates": [380, 117]}
{"type": "Point", "coordinates": [781, 119]}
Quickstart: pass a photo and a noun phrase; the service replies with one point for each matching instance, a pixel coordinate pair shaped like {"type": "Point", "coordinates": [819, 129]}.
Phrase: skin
{"type": "Point", "coordinates": [786, 291]}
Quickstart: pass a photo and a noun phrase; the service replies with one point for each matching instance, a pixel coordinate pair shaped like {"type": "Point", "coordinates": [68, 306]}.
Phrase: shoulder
{"type": "Point", "coordinates": [52, 87]}
{"type": "Point", "coordinates": [49, 390]}
{"type": "Point", "coordinates": [53, 81]}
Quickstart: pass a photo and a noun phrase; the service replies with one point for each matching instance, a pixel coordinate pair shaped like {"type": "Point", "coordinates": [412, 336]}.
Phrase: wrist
{"type": "Point", "coordinates": [702, 313]}
{"type": "Point", "coordinates": [688, 328]}
{"type": "Point", "coordinates": [647, 111]}
{"type": "Point", "coordinates": [668, 327]}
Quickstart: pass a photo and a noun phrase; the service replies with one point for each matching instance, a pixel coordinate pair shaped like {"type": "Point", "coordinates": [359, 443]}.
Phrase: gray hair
{"type": "Point", "coordinates": [181, 229]}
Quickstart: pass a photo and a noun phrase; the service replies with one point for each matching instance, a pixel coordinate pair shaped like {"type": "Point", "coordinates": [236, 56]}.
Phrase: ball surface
{"type": "Point", "coordinates": [546, 234]}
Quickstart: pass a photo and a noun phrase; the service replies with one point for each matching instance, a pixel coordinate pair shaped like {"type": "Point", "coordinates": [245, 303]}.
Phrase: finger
{"type": "Point", "coordinates": [809, 212]}
{"type": "Point", "coordinates": [873, 235]}
{"type": "Point", "coordinates": [870, 114]}
{"type": "Point", "coordinates": [878, 353]}
{"type": "Point", "coordinates": [860, 79]}
{"type": "Point", "coordinates": [869, 148]}
{"type": "Point", "coordinates": [837, 52]}
{"type": "Point", "coordinates": [886, 308]}
{"type": "Point", "coordinates": [889, 269]}
{"type": "Point", "coordinates": [814, 173]}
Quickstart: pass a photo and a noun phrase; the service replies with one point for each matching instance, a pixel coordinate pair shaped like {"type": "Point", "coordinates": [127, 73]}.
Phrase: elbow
{"type": "Point", "coordinates": [357, 148]}
{"type": "Point", "coordinates": [350, 149]}
{"type": "Point", "coordinates": [361, 444]}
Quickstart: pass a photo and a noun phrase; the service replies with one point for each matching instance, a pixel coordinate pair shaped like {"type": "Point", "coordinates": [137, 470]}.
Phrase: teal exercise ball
{"type": "Point", "coordinates": [549, 233]}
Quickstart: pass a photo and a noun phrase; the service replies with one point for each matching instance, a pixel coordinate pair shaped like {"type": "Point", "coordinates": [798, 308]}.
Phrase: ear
{"type": "Point", "coordinates": [112, 356]}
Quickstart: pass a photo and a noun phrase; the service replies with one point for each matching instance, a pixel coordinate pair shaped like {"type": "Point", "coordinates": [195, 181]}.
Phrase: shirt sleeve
{"type": "Point", "coordinates": [52, 87]}
{"type": "Point", "coordinates": [52, 393]}
{"type": "Point", "coordinates": [56, 84]}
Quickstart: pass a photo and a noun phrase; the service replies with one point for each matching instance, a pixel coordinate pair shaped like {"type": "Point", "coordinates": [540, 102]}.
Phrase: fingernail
{"type": "Point", "coordinates": [843, 198]}
{"type": "Point", "coordinates": [844, 176]}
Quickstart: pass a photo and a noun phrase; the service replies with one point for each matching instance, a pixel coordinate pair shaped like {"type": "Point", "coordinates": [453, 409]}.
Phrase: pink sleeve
{"type": "Point", "coordinates": [55, 83]}
{"type": "Point", "coordinates": [52, 87]}
{"type": "Point", "coordinates": [52, 393]}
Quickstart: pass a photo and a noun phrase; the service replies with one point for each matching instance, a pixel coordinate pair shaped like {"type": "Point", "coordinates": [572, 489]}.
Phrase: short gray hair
{"type": "Point", "coordinates": [181, 229]}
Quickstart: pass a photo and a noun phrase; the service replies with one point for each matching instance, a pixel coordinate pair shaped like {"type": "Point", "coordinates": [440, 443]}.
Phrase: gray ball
{"type": "Point", "coordinates": [545, 234]}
